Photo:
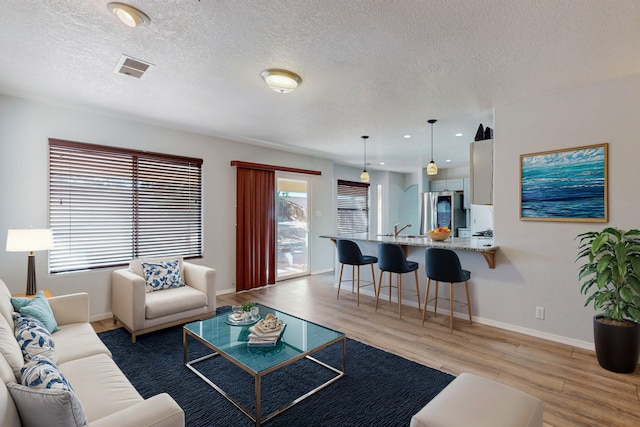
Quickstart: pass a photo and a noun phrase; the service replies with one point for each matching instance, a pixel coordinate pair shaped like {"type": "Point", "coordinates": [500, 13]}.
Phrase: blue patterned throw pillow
{"type": "Point", "coordinates": [162, 275]}
{"type": "Point", "coordinates": [33, 338]}
{"type": "Point", "coordinates": [46, 397]}
{"type": "Point", "coordinates": [41, 372]}
{"type": "Point", "coordinates": [47, 407]}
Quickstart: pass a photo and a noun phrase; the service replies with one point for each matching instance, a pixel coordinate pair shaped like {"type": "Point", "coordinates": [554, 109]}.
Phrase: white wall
{"type": "Point", "coordinates": [481, 217]}
{"type": "Point", "coordinates": [409, 210]}
{"type": "Point", "coordinates": [536, 261]}
{"type": "Point", "coordinates": [25, 127]}
{"type": "Point", "coordinates": [395, 196]}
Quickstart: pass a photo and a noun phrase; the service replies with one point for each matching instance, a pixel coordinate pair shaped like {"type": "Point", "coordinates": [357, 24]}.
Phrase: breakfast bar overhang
{"type": "Point", "coordinates": [482, 245]}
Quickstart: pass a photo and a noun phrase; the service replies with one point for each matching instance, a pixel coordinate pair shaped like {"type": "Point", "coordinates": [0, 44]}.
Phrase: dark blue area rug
{"type": "Point", "coordinates": [379, 388]}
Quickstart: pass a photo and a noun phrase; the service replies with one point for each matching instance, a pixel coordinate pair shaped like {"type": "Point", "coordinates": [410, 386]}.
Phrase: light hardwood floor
{"type": "Point", "coordinates": [575, 390]}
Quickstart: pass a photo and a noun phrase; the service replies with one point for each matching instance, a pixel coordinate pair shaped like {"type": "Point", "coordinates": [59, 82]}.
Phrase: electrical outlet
{"type": "Point", "coordinates": [540, 313]}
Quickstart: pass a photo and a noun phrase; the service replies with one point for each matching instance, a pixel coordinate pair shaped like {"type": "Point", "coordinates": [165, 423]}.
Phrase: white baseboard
{"type": "Point", "coordinates": [225, 291]}
{"type": "Point", "coordinates": [489, 322]}
{"type": "Point", "coordinates": [328, 270]}
{"type": "Point", "coordinates": [538, 334]}
{"type": "Point", "coordinates": [99, 317]}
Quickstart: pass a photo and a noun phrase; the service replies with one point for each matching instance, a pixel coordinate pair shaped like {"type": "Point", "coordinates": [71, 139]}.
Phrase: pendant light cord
{"type": "Point", "coordinates": [432, 121]}
{"type": "Point", "coordinates": [432, 141]}
{"type": "Point", "coordinates": [364, 138]}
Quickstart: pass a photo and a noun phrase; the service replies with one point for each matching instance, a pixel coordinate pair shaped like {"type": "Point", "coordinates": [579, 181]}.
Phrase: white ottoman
{"type": "Point", "coordinates": [471, 400]}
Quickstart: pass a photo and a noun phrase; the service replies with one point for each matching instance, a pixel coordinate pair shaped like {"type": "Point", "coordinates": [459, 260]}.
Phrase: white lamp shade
{"type": "Point", "coordinates": [29, 240]}
{"type": "Point", "coordinates": [432, 168]}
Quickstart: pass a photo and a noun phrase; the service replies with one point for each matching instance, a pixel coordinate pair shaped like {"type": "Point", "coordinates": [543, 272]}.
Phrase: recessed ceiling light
{"type": "Point", "coordinates": [448, 161]}
{"type": "Point", "coordinates": [407, 137]}
{"type": "Point", "coordinates": [129, 14]}
{"type": "Point", "coordinates": [458, 134]}
{"type": "Point", "coordinates": [282, 81]}
{"type": "Point", "coordinates": [382, 163]}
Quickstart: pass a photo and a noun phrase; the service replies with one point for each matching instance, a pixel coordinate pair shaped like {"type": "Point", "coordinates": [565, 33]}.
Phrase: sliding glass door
{"type": "Point", "coordinates": [292, 207]}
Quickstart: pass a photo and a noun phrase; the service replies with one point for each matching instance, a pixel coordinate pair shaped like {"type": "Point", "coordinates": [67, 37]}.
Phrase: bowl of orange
{"type": "Point", "coordinates": [439, 234]}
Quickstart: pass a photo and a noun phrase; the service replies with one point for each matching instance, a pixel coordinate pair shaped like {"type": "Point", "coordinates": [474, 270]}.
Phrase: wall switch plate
{"type": "Point", "coordinates": [540, 313]}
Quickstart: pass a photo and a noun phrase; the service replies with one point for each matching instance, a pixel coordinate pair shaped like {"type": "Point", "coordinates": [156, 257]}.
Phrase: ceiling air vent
{"type": "Point", "coordinates": [132, 67]}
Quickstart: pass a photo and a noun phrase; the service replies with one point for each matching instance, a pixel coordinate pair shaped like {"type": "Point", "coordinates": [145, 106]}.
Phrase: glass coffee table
{"type": "Point", "coordinates": [299, 340]}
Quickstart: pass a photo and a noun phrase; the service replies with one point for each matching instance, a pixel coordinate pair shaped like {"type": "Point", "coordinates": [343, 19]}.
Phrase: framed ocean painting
{"type": "Point", "coordinates": [565, 185]}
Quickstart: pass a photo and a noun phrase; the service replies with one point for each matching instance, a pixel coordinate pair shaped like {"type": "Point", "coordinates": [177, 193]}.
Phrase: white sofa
{"type": "Point", "coordinates": [105, 394]}
{"type": "Point", "coordinates": [141, 312]}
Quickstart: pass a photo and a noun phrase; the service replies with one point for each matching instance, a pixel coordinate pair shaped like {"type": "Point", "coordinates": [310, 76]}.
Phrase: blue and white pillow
{"type": "Point", "coordinates": [33, 338]}
{"type": "Point", "coordinates": [162, 275]}
{"type": "Point", "coordinates": [39, 407]}
{"type": "Point", "coordinates": [46, 397]}
{"type": "Point", "coordinates": [40, 372]}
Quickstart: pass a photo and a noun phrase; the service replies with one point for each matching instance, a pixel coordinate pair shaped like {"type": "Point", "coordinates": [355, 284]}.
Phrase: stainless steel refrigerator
{"type": "Point", "coordinates": [442, 209]}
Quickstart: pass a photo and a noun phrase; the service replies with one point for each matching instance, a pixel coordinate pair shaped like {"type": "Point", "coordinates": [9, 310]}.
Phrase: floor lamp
{"type": "Point", "coordinates": [30, 240]}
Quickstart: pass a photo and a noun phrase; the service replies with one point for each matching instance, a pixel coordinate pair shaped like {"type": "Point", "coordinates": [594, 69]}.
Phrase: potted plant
{"type": "Point", "coordinates": [610, 277]}
{"type": "Point", "coordinates": [247, 306]}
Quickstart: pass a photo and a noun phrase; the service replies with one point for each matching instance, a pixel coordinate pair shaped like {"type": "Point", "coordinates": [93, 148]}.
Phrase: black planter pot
{"type": "Point", "coordinates": [617, 347]}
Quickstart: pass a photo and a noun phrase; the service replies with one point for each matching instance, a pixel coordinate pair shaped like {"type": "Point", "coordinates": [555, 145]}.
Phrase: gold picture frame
{"type": "Point", "coordinates": [569, 184]}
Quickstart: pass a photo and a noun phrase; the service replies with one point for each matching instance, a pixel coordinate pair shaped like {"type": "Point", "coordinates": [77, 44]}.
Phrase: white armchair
{"type": "Point", "coordinates": [141, 311]}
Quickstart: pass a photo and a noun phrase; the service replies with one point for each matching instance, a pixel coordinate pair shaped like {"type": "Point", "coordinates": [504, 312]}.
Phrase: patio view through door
{"type": "Point", "coordinates": [292, 208]}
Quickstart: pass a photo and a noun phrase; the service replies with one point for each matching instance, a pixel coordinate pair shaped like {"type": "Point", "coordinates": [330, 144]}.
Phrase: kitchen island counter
{"type": "Point", "coordinates": [483, 245]}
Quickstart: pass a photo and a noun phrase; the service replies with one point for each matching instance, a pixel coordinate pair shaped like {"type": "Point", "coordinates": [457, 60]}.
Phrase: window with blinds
{"type": "Point", "coordinates": [109, 205]}
{"type": "Point", "coordinates": [353, 207]}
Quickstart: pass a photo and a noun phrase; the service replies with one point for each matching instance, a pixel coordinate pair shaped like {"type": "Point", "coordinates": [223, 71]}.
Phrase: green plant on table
{"type": "Point", "coordinates": [611, 273]}
{"type": "Point", "coordinates": [247, 306]}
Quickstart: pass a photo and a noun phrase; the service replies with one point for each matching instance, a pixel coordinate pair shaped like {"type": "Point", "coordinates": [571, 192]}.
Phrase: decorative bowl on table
{"type": "Point", "coordinates": [439, 234]}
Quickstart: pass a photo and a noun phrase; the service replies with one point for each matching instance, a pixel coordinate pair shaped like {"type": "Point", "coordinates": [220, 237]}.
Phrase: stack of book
{"type": "Point", "coordinates": [263, 337]}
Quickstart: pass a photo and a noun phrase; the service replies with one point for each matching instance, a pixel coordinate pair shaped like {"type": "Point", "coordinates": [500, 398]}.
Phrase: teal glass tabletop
{"type": "Point", "coordinates": [300, 337]}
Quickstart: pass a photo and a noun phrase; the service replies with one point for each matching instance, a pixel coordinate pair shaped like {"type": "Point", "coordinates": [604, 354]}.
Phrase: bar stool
{"type": "Point", "coordinates": [391, 258]}
{"type": "Point", "coordinates": [349, 253]}
{"type": "Point", "coordinates": [443, 265]}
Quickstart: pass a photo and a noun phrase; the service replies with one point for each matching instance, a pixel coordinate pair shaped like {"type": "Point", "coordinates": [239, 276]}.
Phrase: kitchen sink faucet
{"type": "Point", "coordinates": [396, 231]}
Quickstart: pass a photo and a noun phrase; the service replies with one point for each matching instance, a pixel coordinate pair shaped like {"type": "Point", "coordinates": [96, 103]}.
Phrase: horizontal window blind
{"type": "Point", "coordinates": [353, 207]}
{"type": "Point", "coordinates": [109, 205]}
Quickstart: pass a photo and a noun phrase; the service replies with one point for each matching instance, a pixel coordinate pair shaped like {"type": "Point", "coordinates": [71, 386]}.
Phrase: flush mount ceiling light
{"type": "Point", "coordinates": [432, 168]}
{"type": "Point", "coordinates": [281, 81]}
{"type": "Point", "coordinates": [129, 14]}
{"type": "Point", "coordinates": [364, 176]}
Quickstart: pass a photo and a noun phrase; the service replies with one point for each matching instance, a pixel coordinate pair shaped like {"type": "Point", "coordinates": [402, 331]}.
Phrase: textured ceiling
{"type": "Point", "coordinates": [379, 68]}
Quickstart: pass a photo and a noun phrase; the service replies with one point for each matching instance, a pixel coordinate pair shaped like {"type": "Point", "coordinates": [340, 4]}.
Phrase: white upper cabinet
{"type": "Point", "coordinates": [481, 171]}
{"type": "Point", "coordinates": [466, 197]}
{"type": "Point", "coordinates": [446, 185]}
{"type": "Point", "coordinates": [455, 184]}
{"type": "Point", "coordinates": [438, 185]}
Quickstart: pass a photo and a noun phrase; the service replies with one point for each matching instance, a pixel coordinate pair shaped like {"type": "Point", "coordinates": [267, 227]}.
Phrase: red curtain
{"type": "Point", "coordinates": [255, 228]}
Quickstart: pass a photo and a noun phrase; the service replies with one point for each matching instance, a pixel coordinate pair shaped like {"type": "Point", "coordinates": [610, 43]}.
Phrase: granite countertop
{"type": "Point", "coordinates": [478, 244]}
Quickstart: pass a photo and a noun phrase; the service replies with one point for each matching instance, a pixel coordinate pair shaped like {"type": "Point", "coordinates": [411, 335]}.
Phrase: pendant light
{"type": "Point", "coordinates": [432, 168]}
{"type": "Point", "coordinates": [364, 176]}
